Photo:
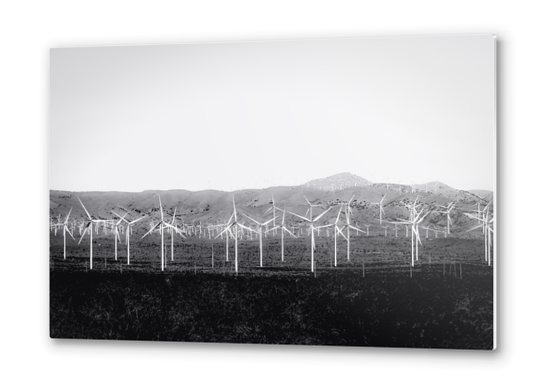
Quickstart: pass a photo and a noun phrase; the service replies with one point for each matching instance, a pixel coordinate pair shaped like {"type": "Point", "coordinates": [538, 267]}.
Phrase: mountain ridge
{"type": "Point", "coordinates": [213, 205]}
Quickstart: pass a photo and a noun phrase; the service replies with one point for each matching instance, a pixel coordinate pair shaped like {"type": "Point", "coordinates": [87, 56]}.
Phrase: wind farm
{"type": "Point", "coordinates": [273, 236]}
{"type": "Point", "coordinates": [316, 192]}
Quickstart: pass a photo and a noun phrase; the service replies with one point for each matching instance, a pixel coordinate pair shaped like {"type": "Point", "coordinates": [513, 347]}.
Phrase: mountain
{"type": "Point", "coordinates": [337, 182]}
{"type": "Point", "coordinates": [436, 187]}
{"type": "Point", "coordinates": [212, 205]}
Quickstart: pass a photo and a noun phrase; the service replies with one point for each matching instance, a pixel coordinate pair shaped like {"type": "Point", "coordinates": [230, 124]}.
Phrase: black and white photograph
{"type": "Point", "coordinates": [327, 192]}
{"type": "Point", "coordinates": [289, 191]}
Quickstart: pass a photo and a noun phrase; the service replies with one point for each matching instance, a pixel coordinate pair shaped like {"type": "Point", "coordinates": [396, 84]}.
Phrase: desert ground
{"type": "Point", "coordinates": [374, 299]}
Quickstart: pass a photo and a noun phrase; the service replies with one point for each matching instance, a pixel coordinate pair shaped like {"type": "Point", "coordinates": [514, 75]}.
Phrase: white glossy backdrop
{"type": "Point", "coordinates": [29, 29]}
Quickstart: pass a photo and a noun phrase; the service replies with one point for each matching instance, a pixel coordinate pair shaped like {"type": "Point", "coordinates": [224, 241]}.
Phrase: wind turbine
{"type": "Point", "coordinates": [116, 230]}
{"type": "Point", "coordinates": [348, 212]}
{"type": "Point", "coordinates": [486, 222]}
{"type": "Point", "coordinates": [283, 228]}
{"type": "Point", "coordinates": [478, 216]}
{"type": "Point", "coordinates": [411, 207]}
{"type": "Point", "coordinates": [66, 229]}
{"type": "Point", "coordinates": [311, 206]}
{"type": "Point", "coordinates": [233, 223]}
{"type": "Point", "coordinates": [162, 224]}
{"type": "Point", "coordinates": [385, 230]}
{"type": "Point", "coordinates": [380, 207]}
{"type": "Point", "coordinates": [311, 222]}
{"type": "Point", "coordinates": [80, 226]}
{"type": "Point", "coordinates": [89, 229]}
{"type": "Point", "coordinates": [417, 218]}
{"type": "Point", "coordinates": [448, 210]}
{"type": "Point", "coordinates": [58, 223]}
{"type": "Point", "coordinates": [129, 224]}
{"type": "Point", "coordinates": [173, 228]}
{"type": "Point", "coordinates": [272, 208]}
{"type": "Point", "coordinates": [336, 231]}
{"type": "Point", "coordinates": [426, 231]}
{"type": "Point", "coordinates": [73, 225]}
{"type": "Point", "coordinates": [228, 233]}
{"type": "Point", "coordinates": [259, 231]}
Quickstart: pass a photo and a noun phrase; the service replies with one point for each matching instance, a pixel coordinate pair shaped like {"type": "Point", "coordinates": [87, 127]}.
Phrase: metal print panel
{"type": "Point", "coordinates": [332, 192]}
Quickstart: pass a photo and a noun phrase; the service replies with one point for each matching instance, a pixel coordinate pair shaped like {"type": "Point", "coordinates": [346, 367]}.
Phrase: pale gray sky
{"type": "Point", "coordinates": [255, 114]}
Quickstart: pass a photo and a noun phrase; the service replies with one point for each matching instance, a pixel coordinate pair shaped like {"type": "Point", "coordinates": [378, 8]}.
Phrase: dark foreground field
{"type": "Point", "coordinates": [373, 299]}
{"type": "Point", "coordinates": [435, 308]}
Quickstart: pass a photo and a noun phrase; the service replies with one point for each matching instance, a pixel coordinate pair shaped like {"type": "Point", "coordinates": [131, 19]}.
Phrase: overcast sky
{"type": "Point", "coordinates": [255, 114]}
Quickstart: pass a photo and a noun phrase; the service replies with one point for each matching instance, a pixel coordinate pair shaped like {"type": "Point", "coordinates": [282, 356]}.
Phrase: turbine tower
{"type": "Point", "coordinates": [312, 227]}
{"type": "Point", "coordinates": [89, 229]}
{"type": "Point", "coordinates": [414, 230]}
{"type": "Point", "coordinates": [116, 230]}
{"type": "Point", "coordinates": [385, 230]}
{"type": "Point", "coordinates": [162, 224]}
{"type": "Point", "coordinates": [129, 225]}
{"type": "Point", "coordinates": [348, 212]}
{"type": "Point", "coordinates": [336, 231]}
{"type": "Point", "coordinates": [283, 228]}
{"type": "Point", "coordinates": [486, 222]}
{"type": "Point", "coordinates": [259, 231]}
{"type": "Point", "coordinates": [272, 208]}
{"type": "Point", "coordinates": [66, 229]}
{"type": "Point", "coordinates": [447, 211]}
{"type": "Point", "coordinates": [380, 207]}
{"type": "Point", "coordinates": [174, 229]}
{"type": "Point", "coordinates": [233, 223]}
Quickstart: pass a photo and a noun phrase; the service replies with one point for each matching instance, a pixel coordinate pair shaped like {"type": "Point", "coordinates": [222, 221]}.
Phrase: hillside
{"type": "Point", "coordinates": [211, 206]}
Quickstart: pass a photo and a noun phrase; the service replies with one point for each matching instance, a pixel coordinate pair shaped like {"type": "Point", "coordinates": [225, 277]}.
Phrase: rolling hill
{"type": "Point", "coordinates": [216, 206]}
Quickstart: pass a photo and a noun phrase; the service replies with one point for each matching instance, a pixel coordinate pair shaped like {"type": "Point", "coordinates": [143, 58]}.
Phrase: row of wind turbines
{"type": "Point", "coordinates": [234, 228]}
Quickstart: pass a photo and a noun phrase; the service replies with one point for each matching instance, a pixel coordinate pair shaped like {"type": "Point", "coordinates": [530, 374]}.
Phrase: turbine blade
{"type": "Point", "coordinates": [250, 218]}
{"type": "Point", "coordinates": [67, 217]}
{"type": "Point", "coordinates": [83, 235]}
{"type": "Point", "coordinates": [476, 227]}
{"type": "Point", "coordinates": [174, 214]}
{"type": "Point", "coordinates": [230, 220]}
{"type": "Point", "coordinates": [302, 217]}
{"type": "Point", "coordinates": [224, 230]}
{"type": "Point", "coordinates": [322, 214]}
{"type": "Point", "coordinates": [268, 221]}
{"type": "Point", "coordinates": [136, 220]}
{"type": "Point", "coordinates": [357, 229]}
{"type": "Point", "coordinates": [161, 210]}
{"type": "Point", "coordinates": [272, 229]}
{"type": "Point", "coordinates": [340, 231]}
{"type": "Point", "coordinates": [121, 219]}
{"type": "Point", "coordinates": [247, 228]}
{"type": "Point", "coordinates": [88, 214]}
{"type": "Point", "coordinates": [152, 229]}
{"type": "Point", "coordinates": [290, 232]}
{"type": "Point", "coordinates": [325, 226]}
{"type": "Point", "coordinates": [338, 215]}
{"type": "Point", "coordinates": [67, 230]}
